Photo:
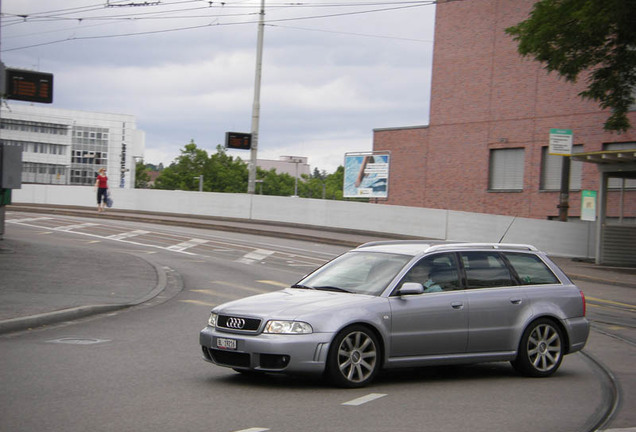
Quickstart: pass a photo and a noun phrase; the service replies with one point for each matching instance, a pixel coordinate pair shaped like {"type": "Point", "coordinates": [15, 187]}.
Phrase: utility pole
{"type": "Point", "coordinates": [256, 107]}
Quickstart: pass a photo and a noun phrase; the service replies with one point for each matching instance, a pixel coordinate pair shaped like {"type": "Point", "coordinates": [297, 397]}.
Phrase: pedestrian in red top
{"type": "Point", "coordinates": [102, 189]}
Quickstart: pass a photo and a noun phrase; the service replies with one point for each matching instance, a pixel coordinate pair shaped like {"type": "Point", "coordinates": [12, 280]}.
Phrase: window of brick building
{"type": "Point", "coordinates": [506, 169]}
{"type": "Point", "coordinates": [616, 183]}
{"type": "Point", "coordinates": [551, 167]}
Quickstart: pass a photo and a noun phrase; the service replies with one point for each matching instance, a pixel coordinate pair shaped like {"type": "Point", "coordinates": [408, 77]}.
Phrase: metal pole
{"type": "Point", "coordinates": [564, 196]}
{"type": "Point", "coordinates": [256, 107]}
{"type": "Point", "coordinates": [296, 180]}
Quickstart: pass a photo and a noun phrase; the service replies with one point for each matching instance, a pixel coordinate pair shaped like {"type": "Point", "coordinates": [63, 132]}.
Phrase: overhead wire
{"type": "Point", "coordinates": [391, 6]}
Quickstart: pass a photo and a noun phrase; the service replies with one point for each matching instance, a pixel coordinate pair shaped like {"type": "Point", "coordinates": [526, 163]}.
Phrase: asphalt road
{"type": "Point", "coordinates": [140, 368]}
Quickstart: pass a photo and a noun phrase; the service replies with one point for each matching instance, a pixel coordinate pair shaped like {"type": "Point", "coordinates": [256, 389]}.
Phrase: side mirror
{"type": "Point", "coordinates": [411, 288]}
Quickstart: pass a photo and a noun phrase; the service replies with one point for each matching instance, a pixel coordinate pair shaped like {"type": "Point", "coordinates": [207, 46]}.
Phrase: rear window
{"type": "Point", "coordinates": [531, 269]}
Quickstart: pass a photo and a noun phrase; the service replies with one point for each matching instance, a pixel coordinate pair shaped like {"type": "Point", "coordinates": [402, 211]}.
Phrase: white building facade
{"type": "Point", "coordinates": [68, 147]}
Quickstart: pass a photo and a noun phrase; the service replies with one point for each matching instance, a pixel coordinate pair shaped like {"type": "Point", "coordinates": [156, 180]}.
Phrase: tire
{"type": "Point", "coordinates": [541, 349]}
{"type": "Point", "coordinates": [354, 357]}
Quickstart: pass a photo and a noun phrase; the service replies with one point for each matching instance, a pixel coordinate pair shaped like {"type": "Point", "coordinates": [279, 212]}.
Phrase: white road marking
{"type": "Point", "coordinates": [187, 245]}
{"type": "Point", "coordinates": [127, 234]}
{"type": "Point", "coordinates": [18, 221]}
{"type": "Point", "coordinates": [255, 256]}
{"type": "Point", "coordinates": [72, 227]}
{"type": "Point", "coordinates": [364, 399]}
{"type": "Point", "coordinates": [253, 430]}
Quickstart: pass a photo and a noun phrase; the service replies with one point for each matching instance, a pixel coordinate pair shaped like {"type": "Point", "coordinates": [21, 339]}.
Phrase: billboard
{"type": "Point", "coordinates": [366, 175]}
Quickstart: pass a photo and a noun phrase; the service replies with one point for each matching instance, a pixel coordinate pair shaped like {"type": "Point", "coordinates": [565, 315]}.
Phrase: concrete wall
{"type": "Point", "coordinates": [570, 239]}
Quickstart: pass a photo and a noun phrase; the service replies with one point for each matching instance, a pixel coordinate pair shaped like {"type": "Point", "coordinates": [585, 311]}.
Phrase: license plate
{"type": "Point", "coordinates": [224, 343]}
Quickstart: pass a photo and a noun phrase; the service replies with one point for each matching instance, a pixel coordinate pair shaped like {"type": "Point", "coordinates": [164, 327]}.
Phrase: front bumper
{"type": "Point", "coordinates": [303, 353]}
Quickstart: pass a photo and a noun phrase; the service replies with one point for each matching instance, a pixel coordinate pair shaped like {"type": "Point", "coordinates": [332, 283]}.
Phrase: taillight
{"type": "Point", "coordinates": [583, 300]}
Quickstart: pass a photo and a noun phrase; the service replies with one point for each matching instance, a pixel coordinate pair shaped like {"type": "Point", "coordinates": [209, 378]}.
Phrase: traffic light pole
{"type": "Point", "coordinates": [256, 107]}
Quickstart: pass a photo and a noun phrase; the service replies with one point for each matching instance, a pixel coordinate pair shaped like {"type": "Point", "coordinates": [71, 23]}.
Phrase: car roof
{"type": "Point", "coordinates": [419, 247]}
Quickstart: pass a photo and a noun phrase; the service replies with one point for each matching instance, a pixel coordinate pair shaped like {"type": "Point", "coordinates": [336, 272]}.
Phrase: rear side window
{"type": "Point", "coordinates": [486, 270]}
{"type": "Point", "coordinates": [531, 269]}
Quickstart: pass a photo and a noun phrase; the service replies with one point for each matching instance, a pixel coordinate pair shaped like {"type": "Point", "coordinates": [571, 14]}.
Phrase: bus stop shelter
{"type": "Point", "coordinates": [615, 241]}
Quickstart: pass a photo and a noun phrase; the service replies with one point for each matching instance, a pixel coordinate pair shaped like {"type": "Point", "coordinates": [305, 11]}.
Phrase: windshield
{"type": "Point", "coordinates": [356, 272]}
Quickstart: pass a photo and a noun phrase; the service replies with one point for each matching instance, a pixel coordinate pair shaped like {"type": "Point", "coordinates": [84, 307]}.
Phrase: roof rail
{"type": "Point", "coordinates": [482, 246]}
{"type": "Point", "coordinates": [398, 242]}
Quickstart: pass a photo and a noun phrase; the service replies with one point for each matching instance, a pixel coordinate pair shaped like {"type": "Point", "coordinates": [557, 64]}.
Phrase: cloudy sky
{"type": "Point", "coordinates": [333, 70]}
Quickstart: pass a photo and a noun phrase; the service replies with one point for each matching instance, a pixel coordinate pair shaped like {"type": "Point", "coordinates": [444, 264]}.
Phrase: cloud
{"type": "Point", "coordinates": [326, 83]}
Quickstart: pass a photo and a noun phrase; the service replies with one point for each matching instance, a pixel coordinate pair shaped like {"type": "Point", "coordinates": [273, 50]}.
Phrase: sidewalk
{"type": "Point", "coordinates": [41, 283]}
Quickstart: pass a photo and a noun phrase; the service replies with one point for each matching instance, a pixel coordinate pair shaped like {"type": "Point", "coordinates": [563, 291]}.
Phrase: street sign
{"type": "Point", "coordinates": [561, 142]}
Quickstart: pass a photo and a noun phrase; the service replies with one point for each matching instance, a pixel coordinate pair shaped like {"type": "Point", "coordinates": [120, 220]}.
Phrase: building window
{"type": "Point", "coordinates": [506, 169]}
{"type": "Point", "coordinates": [617, 183]}
{"type": "Point", "coordinates": [551, 167]}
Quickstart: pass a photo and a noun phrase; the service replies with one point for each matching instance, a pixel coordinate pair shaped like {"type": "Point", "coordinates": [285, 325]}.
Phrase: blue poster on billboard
{"type": "Point", "coordinates": [366, 175]}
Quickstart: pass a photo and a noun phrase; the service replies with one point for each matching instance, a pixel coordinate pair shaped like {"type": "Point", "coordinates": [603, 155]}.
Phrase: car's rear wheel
{"type": "Point", "coordinates": [354, 357]}
{"type": "Point", "coordinates": [541, 349]}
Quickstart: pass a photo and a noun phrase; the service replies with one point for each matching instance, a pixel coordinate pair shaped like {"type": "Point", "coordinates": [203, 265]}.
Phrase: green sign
{"type": "Point", "coordinates": [561, 142]}
{"type": "Point", "coordinates": [588, 205]}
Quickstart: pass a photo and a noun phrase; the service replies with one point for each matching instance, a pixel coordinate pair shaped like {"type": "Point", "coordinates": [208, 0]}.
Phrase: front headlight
{"type": "Point", "coordinates": [212, 320]}
{"type": "Point", "coordinates": [287, 327]}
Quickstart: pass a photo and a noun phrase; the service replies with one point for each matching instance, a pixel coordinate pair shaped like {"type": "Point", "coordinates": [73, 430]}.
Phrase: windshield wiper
{"type": "Point", "coordinates": [332, 288]}
{"type": "Point", "coordinates": [302, 286]}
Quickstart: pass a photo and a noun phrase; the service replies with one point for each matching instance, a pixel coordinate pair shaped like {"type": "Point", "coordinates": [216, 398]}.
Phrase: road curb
{"type": "Point", "coordinates": [34, 321]}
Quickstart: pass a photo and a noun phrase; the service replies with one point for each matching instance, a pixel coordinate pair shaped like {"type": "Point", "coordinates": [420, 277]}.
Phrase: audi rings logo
{"type": "Point", "coordinates": [235, 323]}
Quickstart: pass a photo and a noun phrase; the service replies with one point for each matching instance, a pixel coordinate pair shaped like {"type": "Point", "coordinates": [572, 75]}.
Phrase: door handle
{"type": "Point", "coordinates": [515, 301]}
{"type": "Point", "coordinates": [457, 305]}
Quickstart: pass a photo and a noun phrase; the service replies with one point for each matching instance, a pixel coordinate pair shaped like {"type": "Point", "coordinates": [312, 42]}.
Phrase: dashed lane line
{"type": "Point", "coordinates": [274, 283]}
{"type": "Point", "coordinates": [364, 399]}
{"type": "Point", "coordinates": [198, 302]}
{"type": "Point", "coordinates": [241, 287]}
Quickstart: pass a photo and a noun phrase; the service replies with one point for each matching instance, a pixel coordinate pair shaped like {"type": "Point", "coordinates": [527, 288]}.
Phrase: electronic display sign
{"type": "Point", "coordinates": [238, 140]}
{"type": "Point", "coordinates": [29, 86]}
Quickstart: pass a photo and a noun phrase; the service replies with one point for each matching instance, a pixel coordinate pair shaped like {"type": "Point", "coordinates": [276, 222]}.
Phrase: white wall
{"type": "Point", "coordinates": [571, 239]}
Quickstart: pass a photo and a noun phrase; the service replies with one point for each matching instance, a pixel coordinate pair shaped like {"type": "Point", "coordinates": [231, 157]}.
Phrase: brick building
{"type": "Point", "coordinates": [485, 148]}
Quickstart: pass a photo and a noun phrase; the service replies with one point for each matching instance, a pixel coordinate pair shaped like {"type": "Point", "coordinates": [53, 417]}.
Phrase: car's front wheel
{"type": "Point", "coordinates": [541, 349]}
{"type": "Point", "coordinates": [354, 357]}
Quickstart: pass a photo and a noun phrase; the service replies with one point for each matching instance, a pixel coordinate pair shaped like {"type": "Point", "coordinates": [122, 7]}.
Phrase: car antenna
{"type": "Point", "coordinates": [507, 229]}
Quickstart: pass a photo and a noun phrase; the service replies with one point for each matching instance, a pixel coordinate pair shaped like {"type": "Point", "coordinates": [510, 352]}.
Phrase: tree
{"type": "Point", "coordinates": [224, 173]}
{"type": "Point", "coordinates": [183, 174]}
{"type": "Point", "coordinates": [142, 178]}
{"type": "Point", "coordinates": [595, 36]}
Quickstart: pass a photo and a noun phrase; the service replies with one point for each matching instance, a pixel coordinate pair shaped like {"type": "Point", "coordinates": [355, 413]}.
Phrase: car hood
{"type": "Point", "coordinates": [293, 303]}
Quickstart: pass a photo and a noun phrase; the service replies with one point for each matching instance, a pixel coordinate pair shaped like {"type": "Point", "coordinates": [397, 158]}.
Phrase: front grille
{"type": "Point", "coordinates": [238, 323]}
{"type": "Point", "coordinates": [228, 358]}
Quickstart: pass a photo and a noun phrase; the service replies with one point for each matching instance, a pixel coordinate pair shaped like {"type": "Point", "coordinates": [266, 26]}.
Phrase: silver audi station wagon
{"type": "Point", "coordinates": [403, 304]}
